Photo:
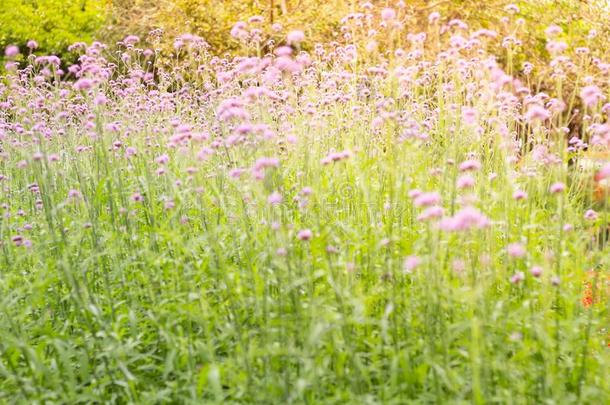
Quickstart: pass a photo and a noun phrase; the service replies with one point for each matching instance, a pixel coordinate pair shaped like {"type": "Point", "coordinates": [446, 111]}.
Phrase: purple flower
{"type": "Point", "coordinates": [388, 14]}
{"type": "Point", "coordinates": [536, 271]}
{"type": "Point", "coordinates": [427, 199]}
{"type": "Point", "coordinates": [304, 235]}
{"type": "Point", "coordinates": [591, 95]}
{"type": "Point", "coordinates": [591, 215]}
{"type": "Point", "coordinates": [516, 250]}
{"type": "Point", "coordinates": [557, 188]}
{"type": "Point", "coordinates": [295, 37]}
{"type": "Point", "coordinates": [410, 263]}
{"type": "Point", "coordinates": [519, 195]}
{"type": "Point", "coordinates": [517, 277]}
{"type": "Point", "coordinates": [274, 198]}
{"type": "Point", "coordinates": [11, 51]}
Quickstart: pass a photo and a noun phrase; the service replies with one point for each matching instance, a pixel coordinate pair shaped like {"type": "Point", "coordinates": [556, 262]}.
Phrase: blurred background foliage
{"type": "Point", "coordinates": [55, 24]}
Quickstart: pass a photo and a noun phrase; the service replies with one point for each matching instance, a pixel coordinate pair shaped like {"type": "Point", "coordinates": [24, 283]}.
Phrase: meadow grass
{"type": "Point", "coordinates": [302, 228]}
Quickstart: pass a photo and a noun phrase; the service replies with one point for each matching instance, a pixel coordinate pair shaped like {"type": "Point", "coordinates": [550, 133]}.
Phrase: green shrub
{"type": "Point", "coordinates": [53, 24]}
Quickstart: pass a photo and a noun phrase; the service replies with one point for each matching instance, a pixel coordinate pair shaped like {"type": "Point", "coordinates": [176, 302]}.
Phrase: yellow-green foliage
{"type": "Point", "coordinates": [320, 19]}
{"type": "Point", "coordinates": [213, 19]}
{"type": "Point", "coordinates": [53, 24]}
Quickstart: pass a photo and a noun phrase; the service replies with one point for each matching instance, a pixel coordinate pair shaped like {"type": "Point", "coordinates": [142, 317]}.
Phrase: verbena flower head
{"type": "Point", "coordinates": [304, 235]}
{"type": "Point", "coordinates": [557, 188]}
{"type": "Point", "coordinates": [516, 250]}
{"type": "Point", "coordinates": [11, 51]}
{"type": "Point", "coordinates": [295, 37]}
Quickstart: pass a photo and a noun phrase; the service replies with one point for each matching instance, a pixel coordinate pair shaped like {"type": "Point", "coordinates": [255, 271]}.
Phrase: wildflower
{"type": "Point", "coordinates": [591, 215]}
{"type": "Point", "coordinates": [516, 250]}
{"type": "Point", "coordinates": [31, 44]}
{"type": "Point", "coordinates": [434, 17]}
{"type": "Point", "coordinates": [17, 240]}
{"type": "Point", "coordinates": [469, 115]}
{"type": "Point", "coordinates": [275, 198]}
{"type": "Point", "coordinates": [458, 265]}
{"type": "Point", "coordinates": [517, 277]}
{"type": "Point", "coordinates": [137, 197]}
{"type": "Point", "coordinates": [536, 271]}
{"type": "Point", "coordinates": [431, 212]}
{"type": "Point", "coordinates": [130, 151]}
{"type": "Point", "coordinates": [555, 280]}
{"type": "Point", "coordinates": [331, 249]}
{"type": "Point", "coordinates": [11, 51]}
{"type": "Point", "coordinates": [295, 37]}
{"type": "Point", "coordinates": [553, 30]}
{"type": "Point", "coordinates": [304, 235]}
{"type": "Point", "coordinates": [465, 181]}
{"type": "Point", "coordinates": [306, 191]}
{"type": "Point", "coordinates": [537, 113]}
{"type": "Point", "coordinates": [519, 195]}
{"type": "Point", "coordinates": [591, 95]}
{"type": "Point", "coordinates": [470, 164]}
{"type": "Point", "coordinates": [410, 263]}
{"type": "Point", "coordinates": [427, 199]}
{"type": "Point", "coordinates": [388, 14]}
{"type": "Point", "coordinates": [163, 159]}
{"type": "Point", "coordinates": [83, 84]}
{"type": "Point", "coordinates": [557, 188]}
{"type": "Point", "coordinates": [603, 173]}
{"type": "Point", "coordinates": [465, 219]}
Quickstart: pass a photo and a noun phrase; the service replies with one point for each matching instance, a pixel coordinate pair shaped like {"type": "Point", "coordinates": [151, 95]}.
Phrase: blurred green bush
{"type": "Point", "coordinates": [53, 24]}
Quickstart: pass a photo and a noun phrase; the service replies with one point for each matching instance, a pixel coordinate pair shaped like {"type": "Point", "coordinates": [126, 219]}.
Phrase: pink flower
{"type": "Point", "coordinates": [536, 271]}
{"type": "Point", "coordinates": [470, 164]}
{"type": "Point", "coordinates": [304, 235]}
{"type": "Point", "coordinates": [306, 191]}
{"type": "Point", "coordinates": [410, 263]}
{"type": "Point", "coordinates": [591, 95]}
{"type": "Point", "coordinates": [275, 198]}
{"type": "Point", "coordinates": [32, 44]}
{"type": "Point", "coordinates": [603, 173]}
{"type": "Point", "coordinates": [388, 14]}
{"type": "Point", "coordinates": [434, 17]}
{"type": "Point", "coordinates": [427, 199]}
{"type": "Point", "coordinates": [517, 277]}
{"type": "Point", "coordinates": [431, 212]}
{"type": "Point", "coordinates": [11, 51]}
{"type": "Point", "coordinates": [469, 115]}
{"type": "Point", "coordinates": [130, 151]}
{"type": "Point", "coordinates": [83, 84]}
{"type": "Point", "coordinates": [557, 188]}
{"type": "Point", "coordinates": [537, 113]}
{"type": "Point", "coordinates": [295, 37]}
{"type": "Point", "coordinates": [163, 159]}
{"type": "Point", "coordinates": [591, 215]}
{"type": "Point", "coordinates": [465, 219]}
{"type": "Point", "coordinates": [553, 30]}
{"type": "Point", "coordinates": [519, 195]}
{"type": "Point", "coordinates": [516, 250]}
{"type": "Point", "coordinates": [18, 240]}
{"type": "Point", "coordinates": [465, 181]}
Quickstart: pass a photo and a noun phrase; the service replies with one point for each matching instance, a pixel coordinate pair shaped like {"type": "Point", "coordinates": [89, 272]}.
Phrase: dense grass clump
{"type": "Point", "coordinates": [340, 226]}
